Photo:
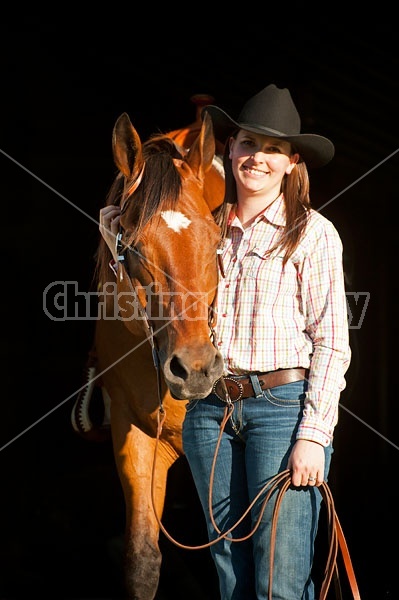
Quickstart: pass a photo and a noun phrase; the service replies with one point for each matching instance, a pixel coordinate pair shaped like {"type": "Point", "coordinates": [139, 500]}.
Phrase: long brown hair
{"type": "Point", "coordinates": [295, 188]}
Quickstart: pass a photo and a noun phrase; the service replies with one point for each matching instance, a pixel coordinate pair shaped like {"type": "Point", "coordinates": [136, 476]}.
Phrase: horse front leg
{"type": "Point", "coordinates": [134, 454]}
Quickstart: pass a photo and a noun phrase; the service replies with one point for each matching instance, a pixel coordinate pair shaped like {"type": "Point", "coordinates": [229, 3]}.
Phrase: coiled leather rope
{"type": "Point", "coordinates": [279, 483]}
{"type": "Point", "coordinates": [336, 539]}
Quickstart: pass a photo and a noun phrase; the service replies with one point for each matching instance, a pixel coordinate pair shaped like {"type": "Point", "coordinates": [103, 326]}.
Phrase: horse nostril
{"type": "Point", "coordinates": [177, 369]}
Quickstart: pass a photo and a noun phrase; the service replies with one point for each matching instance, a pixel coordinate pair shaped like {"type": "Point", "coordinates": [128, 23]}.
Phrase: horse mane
{"type": "Point", "coordinates": [159, 189]}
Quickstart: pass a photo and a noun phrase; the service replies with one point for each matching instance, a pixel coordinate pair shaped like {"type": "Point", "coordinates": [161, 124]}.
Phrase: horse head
{"type": "Point", "coordinates": [167, 275]}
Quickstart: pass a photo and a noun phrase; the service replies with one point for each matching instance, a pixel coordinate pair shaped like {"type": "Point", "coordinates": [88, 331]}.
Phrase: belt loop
{"type": "Point", "coordinates": [256, 385]}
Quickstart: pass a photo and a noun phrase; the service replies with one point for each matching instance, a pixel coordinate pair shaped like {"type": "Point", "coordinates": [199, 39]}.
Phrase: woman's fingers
{"type": "Point", "coordinates": [110, 217]}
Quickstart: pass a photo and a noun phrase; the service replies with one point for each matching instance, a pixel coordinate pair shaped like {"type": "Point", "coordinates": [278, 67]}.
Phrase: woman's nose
{"type": "Point", "coordinates": [256, 155]}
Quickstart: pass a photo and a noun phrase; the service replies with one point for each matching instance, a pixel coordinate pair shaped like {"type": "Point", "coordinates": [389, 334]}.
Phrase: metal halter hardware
{"type": "Point", "coordinates": [118, 247]}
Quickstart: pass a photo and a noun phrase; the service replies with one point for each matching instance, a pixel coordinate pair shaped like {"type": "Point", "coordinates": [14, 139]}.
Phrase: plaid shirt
{"type": "Point", "coordinates": [273, 318]}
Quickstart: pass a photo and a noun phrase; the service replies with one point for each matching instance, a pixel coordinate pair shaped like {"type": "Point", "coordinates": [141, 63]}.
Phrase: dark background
{"type": "Point", "coordinates": [64, 81]}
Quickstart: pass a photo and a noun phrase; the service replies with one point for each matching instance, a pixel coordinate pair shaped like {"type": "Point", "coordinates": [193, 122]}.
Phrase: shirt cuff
{"type": "Point", "coordinates": [314, 433]}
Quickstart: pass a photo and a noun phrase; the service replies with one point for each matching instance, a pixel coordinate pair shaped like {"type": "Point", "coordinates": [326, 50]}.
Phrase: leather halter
{"type": "Point", "coordinates": [121, 249]}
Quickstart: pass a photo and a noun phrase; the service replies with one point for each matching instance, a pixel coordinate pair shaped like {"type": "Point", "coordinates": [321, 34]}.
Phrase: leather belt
{"type": "Point", "coordinates": [240, 386]}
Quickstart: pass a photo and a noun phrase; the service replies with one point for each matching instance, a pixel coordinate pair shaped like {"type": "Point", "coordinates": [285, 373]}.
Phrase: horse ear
{"type": "Point", "coordinates": [126, 145]}
{"type": "Point", "coordinates": [202, 151]}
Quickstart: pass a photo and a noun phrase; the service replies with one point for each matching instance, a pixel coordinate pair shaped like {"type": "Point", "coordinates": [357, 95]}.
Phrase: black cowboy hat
{"type": "Point", "coordinates": [273, 112]}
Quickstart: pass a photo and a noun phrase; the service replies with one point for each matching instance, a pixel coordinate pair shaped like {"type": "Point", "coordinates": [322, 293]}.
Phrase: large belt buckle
{"type": "Point", "coordinates": [235, 389]}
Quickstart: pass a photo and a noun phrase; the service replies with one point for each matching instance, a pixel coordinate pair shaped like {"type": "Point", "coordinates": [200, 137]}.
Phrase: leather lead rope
{"type": "Point", "coordinates": [336, 540]}
{"type": "Point", "coordinates": [280, 483]}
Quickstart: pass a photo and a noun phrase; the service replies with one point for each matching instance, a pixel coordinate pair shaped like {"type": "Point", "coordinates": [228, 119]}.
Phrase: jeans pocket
{"type": "Point", "coordinates": [289, 394]}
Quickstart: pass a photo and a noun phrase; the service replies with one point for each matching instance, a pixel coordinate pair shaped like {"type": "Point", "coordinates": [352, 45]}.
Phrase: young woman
{"type": "Point", "coordinates": [283, 333]}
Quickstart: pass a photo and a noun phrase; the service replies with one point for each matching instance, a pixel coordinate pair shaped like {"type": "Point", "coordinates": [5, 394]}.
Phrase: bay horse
{"type": "Point", "coordinates": [154, 347]}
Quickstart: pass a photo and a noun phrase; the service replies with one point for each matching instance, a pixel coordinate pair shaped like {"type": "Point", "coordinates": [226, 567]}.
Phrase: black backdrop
{"type": "Point", "coordinates": [64, 82]}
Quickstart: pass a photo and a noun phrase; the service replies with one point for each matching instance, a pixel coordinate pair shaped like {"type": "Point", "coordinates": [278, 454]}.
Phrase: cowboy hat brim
{"type": "Point", "coordinates": [315, 150]}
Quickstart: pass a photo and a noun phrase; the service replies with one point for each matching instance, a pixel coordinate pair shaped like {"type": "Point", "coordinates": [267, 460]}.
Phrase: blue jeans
{"type": "Point", "coordinates": [255, 445]}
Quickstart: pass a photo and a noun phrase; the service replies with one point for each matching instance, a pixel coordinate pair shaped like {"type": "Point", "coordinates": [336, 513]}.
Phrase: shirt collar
{"type": "Point", "coordinates": [274, 213]}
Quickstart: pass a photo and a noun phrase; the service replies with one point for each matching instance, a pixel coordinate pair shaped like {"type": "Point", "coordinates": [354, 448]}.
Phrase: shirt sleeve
{"type": "Point", "coordinates": [327, 325]}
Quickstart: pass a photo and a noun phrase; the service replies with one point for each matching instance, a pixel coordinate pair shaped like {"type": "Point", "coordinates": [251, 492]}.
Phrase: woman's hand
{"type": "Point", "coordinates": [109, 226]}
{"type": "Point", "coordinates": [306, 463]}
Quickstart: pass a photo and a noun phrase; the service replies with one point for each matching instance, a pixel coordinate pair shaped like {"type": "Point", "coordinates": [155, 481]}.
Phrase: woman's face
{"type": "Point", "coordinates": [259, 162]}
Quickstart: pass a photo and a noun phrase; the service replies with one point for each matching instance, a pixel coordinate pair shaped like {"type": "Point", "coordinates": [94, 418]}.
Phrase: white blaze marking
{"type": "Point", "coordinates": [175, 220]}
